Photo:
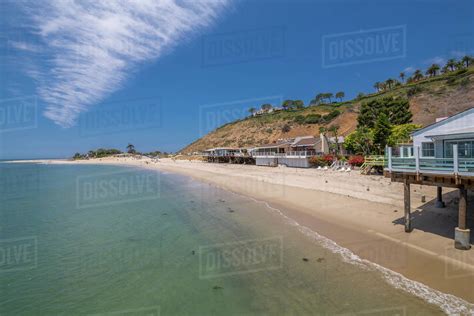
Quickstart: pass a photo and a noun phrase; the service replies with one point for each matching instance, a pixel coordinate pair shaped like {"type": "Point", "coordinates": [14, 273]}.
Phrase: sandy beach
{"type": "Point", "coordinates": [361, 213]}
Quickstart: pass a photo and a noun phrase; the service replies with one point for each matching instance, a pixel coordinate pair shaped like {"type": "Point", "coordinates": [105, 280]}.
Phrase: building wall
{"type": "Point", "coordinates": [294, 162]}
{"type": "Point", "coordinates": [449, 126]}
{"type": "Point", "coordinates": [272, 162]}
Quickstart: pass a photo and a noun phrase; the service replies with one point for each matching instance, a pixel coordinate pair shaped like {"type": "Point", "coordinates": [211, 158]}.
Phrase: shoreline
{"type": "Point", "coordinates": [354, 221]}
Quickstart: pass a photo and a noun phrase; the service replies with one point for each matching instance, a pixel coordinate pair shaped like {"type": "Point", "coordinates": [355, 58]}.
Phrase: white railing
{"type": "Point", "coordinates": [431, 165]}
{"type": "Point", "coordinates": [290, 154]}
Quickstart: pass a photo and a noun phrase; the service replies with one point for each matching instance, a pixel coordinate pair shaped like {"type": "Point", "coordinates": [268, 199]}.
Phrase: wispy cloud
{"type": "Point", "coordinates": [435, 60]}
{"type": "Point", "coordinates": [93, 46]}
{"type": "Point", "coordinates": [409, 70]}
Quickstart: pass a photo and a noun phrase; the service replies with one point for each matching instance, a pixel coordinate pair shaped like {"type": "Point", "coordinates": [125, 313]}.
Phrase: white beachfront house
{"type": "Point", "coordinates": [438, 140]}
{"type": "Point", "coordinates": [442, 155]}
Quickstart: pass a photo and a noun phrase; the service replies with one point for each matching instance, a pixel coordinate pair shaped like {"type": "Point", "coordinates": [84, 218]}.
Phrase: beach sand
{"type": "Point", "coordinates": [361, 213]}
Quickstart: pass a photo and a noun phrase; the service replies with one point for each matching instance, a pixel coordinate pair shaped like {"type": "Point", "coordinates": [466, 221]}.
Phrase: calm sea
{"type": "Point", "coordinates": [106, 240]}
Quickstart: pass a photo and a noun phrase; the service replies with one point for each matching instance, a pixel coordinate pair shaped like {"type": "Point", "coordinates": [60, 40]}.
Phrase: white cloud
{"type": "Point", "coordinates": [409, 70]}
{"type": "Point", "coordinates": [435, 60]}
{"type": "Point", "coordinates": [92, 46]}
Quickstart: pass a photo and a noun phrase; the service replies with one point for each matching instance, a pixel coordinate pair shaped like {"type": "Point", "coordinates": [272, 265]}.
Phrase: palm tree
{"type": "Point", "coordinates": [467, 60]}
{"type": "Point", "coordinates": [433, 70]}
{"type": "Point", "coordinates": [319, 98]}
{"type": "Point", "coordinates": [417, 75]}
{"type": "Point", "coordinates": [390, 83]}
{"type": "Point", "coordinates": [402, 76]}
{"type": "Point", "coordinates": [252, 110]}
{"type": "Point", "coordinates": [335, 129]}
{"type": "Point", "coordinates": [445, 69]}
{"type": "Point", "coordinates": [130, 149]}
{"type": "Point", "coordinates": [451, 64]}
{"type": "Point", "coordinates": [340, 95]}
{"type": "Point", "coordinates": [459, 65]}
{"type": "Point", "coordinates": [377, 86]}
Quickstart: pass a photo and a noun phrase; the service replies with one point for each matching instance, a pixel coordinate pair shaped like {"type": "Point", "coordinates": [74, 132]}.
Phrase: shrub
{"type": "Point", "coordinates": [331, 116]}
{"type": "Point", "coordinates": [414, 90]}
{"type": "Point", "coordinates": [299, 119]}
{"type": "Point", "coordinates": [317, 161]}
{"type": "Point", "coordinates": [329, 159]}
{"type": "Point", "coordinates": [312, 119]}
{"type": "Point", "coordinates": [356, 161]}
{"type": "Point", "coordinates": [269, 130]}
{"type": "Point", "coordinates": [286, 128]}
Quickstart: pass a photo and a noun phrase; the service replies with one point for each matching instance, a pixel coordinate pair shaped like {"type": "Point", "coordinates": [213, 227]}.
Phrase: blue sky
{"type": "Point", "coordinates": [80, 76]}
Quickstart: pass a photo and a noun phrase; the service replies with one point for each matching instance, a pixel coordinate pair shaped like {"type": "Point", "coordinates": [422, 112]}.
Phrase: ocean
{"type": "Point", "coordinates": [110, 240]}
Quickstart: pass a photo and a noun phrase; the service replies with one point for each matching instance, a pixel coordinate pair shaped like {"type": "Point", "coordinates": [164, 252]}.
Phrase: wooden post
{"type": "Point", "coordinates": [462, 207]}
{"type": "Point", "coordinates": [439, 198]}
{"type": "Point", "coordinates": [407, 201]}
{"type": "Point", "coordinates": [417, 159]}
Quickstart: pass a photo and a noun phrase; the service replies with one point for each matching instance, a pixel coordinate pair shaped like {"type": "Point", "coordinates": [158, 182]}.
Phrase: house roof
{"type": "Point", "coordinates": [305, 141]}
{"type": "Point", "coordinates": [440, 123]}
{"type": "Point", "coordinates": [222, 148]}
{"type": "Point", "coordinates": [278, 144]}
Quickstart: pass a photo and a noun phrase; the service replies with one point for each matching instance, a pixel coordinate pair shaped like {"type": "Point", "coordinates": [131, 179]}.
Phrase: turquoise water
{"type": "Point", "coordinates": [87, 240]}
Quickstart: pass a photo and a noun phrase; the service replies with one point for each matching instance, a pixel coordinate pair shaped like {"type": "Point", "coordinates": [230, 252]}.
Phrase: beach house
{"type": "Point", "coordinates": [442, 155]}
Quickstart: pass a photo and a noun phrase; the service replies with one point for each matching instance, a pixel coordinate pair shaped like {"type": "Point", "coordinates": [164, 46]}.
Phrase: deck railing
{"type": "Point", "coordinates": [433, 165]}
{"type": "Point", "coordinates": [290, 154]}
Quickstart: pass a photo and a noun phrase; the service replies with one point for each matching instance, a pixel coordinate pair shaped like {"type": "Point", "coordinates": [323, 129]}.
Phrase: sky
{"type": "Point", "coordinates": [80, 75]}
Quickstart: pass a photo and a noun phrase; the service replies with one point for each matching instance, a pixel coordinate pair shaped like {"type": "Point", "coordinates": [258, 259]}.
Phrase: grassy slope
{"type": "Point", "coordinates": [435, 97]}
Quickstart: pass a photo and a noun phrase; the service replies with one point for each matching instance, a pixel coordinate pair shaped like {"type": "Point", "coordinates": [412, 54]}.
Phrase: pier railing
{"type": "Point", "coordinates": [419, 165]}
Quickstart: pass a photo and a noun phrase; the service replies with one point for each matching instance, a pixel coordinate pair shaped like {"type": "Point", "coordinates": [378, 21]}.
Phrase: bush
{"type": "Point", "coordinates": [331, 116]}
{"type": "Point", "coordinates": [299, 119]}
{"type": "Point", "coordinates": [356, 161]}
{"type": "Point", "coordinates": [312, 119]}
{"type": "Point", "coordinates": [286, 128]}
{"type": "Point", "coordinates": [413, 91]}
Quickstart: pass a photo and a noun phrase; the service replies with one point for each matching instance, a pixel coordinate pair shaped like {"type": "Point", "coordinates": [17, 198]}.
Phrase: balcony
{"type": "Point", "coordinates": [291, 154]}
{"type": "Point", "coordinates": [438, 166]}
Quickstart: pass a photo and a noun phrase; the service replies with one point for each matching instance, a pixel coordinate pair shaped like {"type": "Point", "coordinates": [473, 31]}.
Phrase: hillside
{"type": "Point", "coordinates": [429, 99]}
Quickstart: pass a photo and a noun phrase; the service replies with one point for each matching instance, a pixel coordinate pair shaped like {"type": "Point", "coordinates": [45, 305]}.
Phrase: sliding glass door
{"type": "Point", "coordinates": [465, 148]}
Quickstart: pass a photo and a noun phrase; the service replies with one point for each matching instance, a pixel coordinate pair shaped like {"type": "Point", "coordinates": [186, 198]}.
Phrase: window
{"type": "Point", "coordinates": [465, 149]}
{"type": "Point", "coordinates": [427, 150]}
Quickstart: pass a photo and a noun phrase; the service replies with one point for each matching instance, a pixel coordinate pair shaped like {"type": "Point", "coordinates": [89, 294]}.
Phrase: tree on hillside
{"type": "Point", "coordinates": [335, 131]}
{"type": "Point", "coordinates": [377, 86]}
{"type": "Point", "coordinates": [451, 64]}
{"type": "Point", "coordinates": [390, 82]}
{"type": "Point", "coordinates": [382, 132]}
{"type": "Point", "coordinates": [402, 76]}
{"type": "Point", "coordinates": [267, 107]}
{"type": "Point", "coordinates": [397, 110]}
{"type": "Point", "coordinates": [417, 75]}
{"type": "Point", "coordinates": [329, 96]}
{"type": "Point", "coordinates": [433, 70]}
{"type": "Point", "coordinates": [459, 65]}
{"type": "Point", "coordinates": [298, 104]}
{"type": "Point", "coordinates": [319, 98]}
{"type": "Point", "coordinates": [252, 110]}
{"type": "Point", "coordinates": [340, 95]}
{"type": "Point", "coordinates": [287, 104]}
{"type": "Point", "coordinates": [131, 149]}
{"type": "Point", "coordinates": [467, 60]}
